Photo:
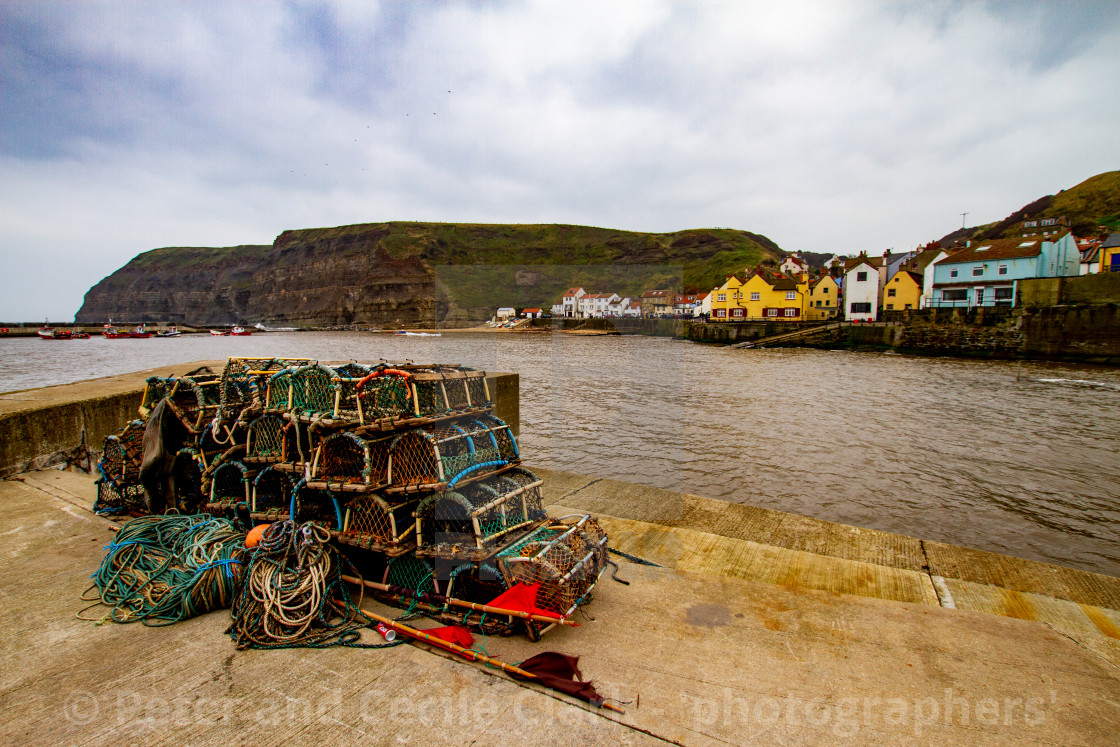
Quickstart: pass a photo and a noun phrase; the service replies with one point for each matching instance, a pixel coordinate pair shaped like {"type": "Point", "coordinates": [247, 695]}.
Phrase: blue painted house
{"type": "Point", "coordinates": [987, 273]}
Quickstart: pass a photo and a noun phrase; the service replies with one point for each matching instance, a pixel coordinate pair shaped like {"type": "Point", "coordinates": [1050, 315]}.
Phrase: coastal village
{"type": "Point", "coordinates": [865, 288]}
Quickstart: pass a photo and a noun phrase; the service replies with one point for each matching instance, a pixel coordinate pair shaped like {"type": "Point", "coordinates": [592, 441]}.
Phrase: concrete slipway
{"type": "Point", "coordinates": [762, 627]}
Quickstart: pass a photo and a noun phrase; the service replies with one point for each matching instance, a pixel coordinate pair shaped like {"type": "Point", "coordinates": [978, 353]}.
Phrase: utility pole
{"type": "Point", "coordinates": [964, 218]}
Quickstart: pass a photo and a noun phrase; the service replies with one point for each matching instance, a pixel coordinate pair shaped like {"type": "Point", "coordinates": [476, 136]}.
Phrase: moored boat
{"type": "Point", "coordinates": [169, 332]}
{"type": "Point", "coordinates": [218, 332]}
{"type": "Point", "coordinates": [241, 332]}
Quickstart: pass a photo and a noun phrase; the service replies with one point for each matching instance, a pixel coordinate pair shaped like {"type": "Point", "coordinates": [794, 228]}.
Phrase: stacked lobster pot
{"type": "Point", "coordinates": [410, 470]}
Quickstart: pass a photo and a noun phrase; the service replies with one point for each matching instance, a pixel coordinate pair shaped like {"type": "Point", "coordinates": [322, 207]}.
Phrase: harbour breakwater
{"type": "Point", "coordinates": [1079, 333]}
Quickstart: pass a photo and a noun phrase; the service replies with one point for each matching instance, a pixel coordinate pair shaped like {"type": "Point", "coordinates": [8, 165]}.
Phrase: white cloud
{"type": "Point", "coordinates": [827, 126]}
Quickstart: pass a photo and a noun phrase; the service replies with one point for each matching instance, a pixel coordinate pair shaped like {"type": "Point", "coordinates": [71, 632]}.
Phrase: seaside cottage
{"type": "Point", "coordinates": [570, 302]}
{"type": "Point", "coordinates": [987, 273]}
{"type": "Point", "coordinates": [774, 296]}
{"type": "Point", "coordinates": [903, 291]}
{"type": "Point", "coordinates": [824, 299]}
{"type": "Point", "coordinates": [725, 300]}
{"type": "Point", "coordinates": [861, 290]}
{"type": "Point", "coordinates": [1110, 254]}
{"type": "Point", "coordinates": [657, 303]}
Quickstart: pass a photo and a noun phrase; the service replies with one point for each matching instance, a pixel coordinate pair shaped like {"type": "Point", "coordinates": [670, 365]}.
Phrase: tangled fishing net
{"type": "Point", "coordinates": [163, 569]}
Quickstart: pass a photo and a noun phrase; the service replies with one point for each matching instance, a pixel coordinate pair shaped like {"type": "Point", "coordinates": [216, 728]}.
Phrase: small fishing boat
{"type": "Point", "coordinates": [169, 332]}
{"type": "Point", "coordinates": [48, 333]}
{"type": "Point", "coordinates": [77, 334]}
{"type": "Point", "coordinates": [110, 332]}
{"type": "Point", "coordinates": [417, 334]}
{"type": "Point", "coordinates": [218, 332]}
{"type": "Point", "coordinates": [241, 332]}
{"type": "Point", "coordinates": [138, 332]}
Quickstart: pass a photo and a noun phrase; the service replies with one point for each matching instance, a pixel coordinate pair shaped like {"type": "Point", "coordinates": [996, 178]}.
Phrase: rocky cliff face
{"type": "Point", "coordinates": [409, 273]}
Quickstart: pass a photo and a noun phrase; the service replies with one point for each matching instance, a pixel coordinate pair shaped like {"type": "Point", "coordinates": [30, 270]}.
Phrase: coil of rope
{"type": "Point", "coordinates": [163, 569]}
{"type": "Point", "coordinates": [294, 595]}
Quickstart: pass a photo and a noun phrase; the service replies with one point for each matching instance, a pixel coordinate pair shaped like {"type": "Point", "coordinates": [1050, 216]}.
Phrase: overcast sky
{"type": "Point", "coordinates": [828, 126]}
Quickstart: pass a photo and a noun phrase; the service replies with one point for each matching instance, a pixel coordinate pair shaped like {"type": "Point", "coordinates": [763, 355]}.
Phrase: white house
{"type": "Point", "coordinates": [618, 308]}
{"type": "Point", "coordinates": [861, 292]}
{"type": "Point", "coordinates": [557, 310]}
{"type": "Point", "coordinates": [794, 265]}
{"type": "Point", "coordinates": [595, 305]}
{"type": "Point", "coordinates": [506, 312]}
{"type": "Point", "coordinates": [531, 313]}
{"type": "Point", "coordinates": [633, 310]}
{"type": "Point", "coordinates": [570, 302]}
{"type": "Point", "coordinates": [703, 305]}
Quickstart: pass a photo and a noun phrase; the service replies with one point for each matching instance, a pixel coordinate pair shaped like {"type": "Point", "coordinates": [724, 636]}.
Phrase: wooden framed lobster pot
{"type": "Point", "coordinates": [375, 524]}
{"type": "Point", "coordinates": [121, 454]}
{"type": "Point", "coordinates": [441, 390]}
{"type": "Point", "coordinates": [196, 400]}
{"type": "Point", "coordinates": [444, 454]}
{"type": "Point", "coordinates": [231, 483]}
{"type": "Point", "coordinates": [348, 462]}
{"type": "Point", "coordinates": [272, 494]}
{"type": "Point", "coordinates": [312, 391]}
{"type": "Point", "coordinates": [314, 504]}
{"type": "Point", "coordinates": [264, 440]}
{"type": "Point", "coordinates": [476, 520]}
{"type": "Point", "coordinates": [565, 556]}
{"type": "Point", "coordinates": [245, 383]}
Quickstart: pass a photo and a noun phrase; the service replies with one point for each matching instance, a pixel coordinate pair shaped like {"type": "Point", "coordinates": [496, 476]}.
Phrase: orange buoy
{"type": "Point", "coordinates": [253, 538]}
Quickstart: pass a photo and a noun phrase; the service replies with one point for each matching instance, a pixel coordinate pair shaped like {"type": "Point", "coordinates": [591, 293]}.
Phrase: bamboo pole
{"type": "Point", "coordinates": [470, 605]}
{"type": "Point", "coordinates": [465, 652]}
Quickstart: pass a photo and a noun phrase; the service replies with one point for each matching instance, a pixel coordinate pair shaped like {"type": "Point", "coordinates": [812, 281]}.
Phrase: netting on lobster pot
{"type": "Point", "coordinates": [311, 504]}
{"type": "Point", "coordinates": [566, 559]}
{"type": "Point", "coordinates": [245, 382]}
{"type": "Point", "coordinates": [503, 438]}
{"type": "Point", "coordinates": [374, 523]}
{"type": "Point", "coordinates": [231, 483]}
{"type": "Point", "coordinates": [279, 391]}
{"type": "Point", "coordinates": [478, 390]}
{"type": "Point", "coordinates": [264, 441]}
{"type": "Point", "coordinates": [187, 476]}
{"type": "Point", "coordinates": [313, 390]}
{"type": "Point", "coordinates": [297, 447]}
{"type": "Point", "coordinates": [348, 459]}
{"type": "Point", "coordinates": [476, 519]}
{"type": "Point", "coordinates": [195, 399]}
{"type": "Point", "coordinates": [353, 370]}
{"type": "Point", "coordinates": [385, 393]}
{"type": "Point", "coordinates": [121, 455]}
{"type": "Point", "coordinates": [412, 573]}
{"type": "Point", "coordinates": [272, 494]}
{"type": "Point", "coordinates": [115, 499]}
{"type": "Point", "coordinates": [475, 582]}
{"type": "Point", "coordinates": [155, 389]}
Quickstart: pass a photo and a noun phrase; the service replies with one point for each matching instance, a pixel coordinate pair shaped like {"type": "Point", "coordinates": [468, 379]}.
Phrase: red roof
{"type": "Point", "coordinates": [571, 292]}
{"type": "Point", "coordinates": [530, 311]}
{"type": "Point", "coordinates": [1022, 246]}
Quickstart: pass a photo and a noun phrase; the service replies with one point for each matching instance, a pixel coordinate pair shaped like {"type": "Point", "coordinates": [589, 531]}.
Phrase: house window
{"type": "Point", "coordinates": [791, 295]}
{"type": "Point", "coordinates": [908, 306]}
{"type": "Point", "coordinates": [977, 271]}
{"type": "Point", "coordinates": [1003, 293]}
{"type": "Point", "coordinates": [771, 312]}
{"type": "Point", "coordinates": [890, 307]}
{"type": "Point", "coordinates": [722, 296]}
{"type": "Point", "coordinates": [819, 304]}
{"type": "Point", "coordinates": [954, 294]}
{"type": "Point", "coordinates": [952, 273]}
{"type": "Point", "coordinates": [979, 295]}
{"type": "Point", "coordinates": [791, 312]}
{"type": "Point", "coordinates": [736, 312]}
{"type": "Point", "coordinates": [756, 296]}
{"type": "Point", "coordinates": [861, 276]}
{"type": "Point", "coordinates": [721, 312]}
{"type": "Point", "coordinates": [825, 289]}
{"type": "Point", "coordinates": [1003, 269]}
{"type": "Point", "coordinates": [890, 292]}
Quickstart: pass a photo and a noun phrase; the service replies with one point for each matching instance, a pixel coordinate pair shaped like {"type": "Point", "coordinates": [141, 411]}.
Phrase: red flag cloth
{"type": "Point", "coordinates": [523, 598]}
{"type": "Point", "coordinates": [560, 672]}
{"type": "Point", "coordinates": [452, 634]}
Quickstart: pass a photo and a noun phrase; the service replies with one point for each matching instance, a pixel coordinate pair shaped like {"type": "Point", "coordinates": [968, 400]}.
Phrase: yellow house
{"type": "Point", "coordinates": [726, 300]}
{"type": "Point", "coordinates": [824, 299]}
{"type": "Point", "coordinates": [903, 291]}
{"type": "Point", "coordinates": [1110, 254]}
{"type": "Point", "coordinates": [771, 295]}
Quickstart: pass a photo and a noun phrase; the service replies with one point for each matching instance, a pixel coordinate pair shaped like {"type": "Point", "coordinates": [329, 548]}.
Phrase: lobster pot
{"type": "Point", "coordinates": [410, 572]}
{"type": "Point", "coordinates": [502, 436]}
{"type": "Point", "coordinates": [351, 461]}
{"type": "Point", "coordinates": [121, 455]}
{"type": "Point", "coordinates": [119, 499]}
{"type": "Point", "coordinates": [245, 382]}
{"type": "Point", "coordinates": [374, 524]}
{"type": "Point", "coordinates": [312, 390]}
{"type": "Point", "coordinates": [265, 439]}
{"type": "Point", "coordinates": [445, 453]}
{"type": "Point", "coordinates": [473, 521]}
{"type": "Point", "coordinates": [566, 559]}
{"type": "Point", "coordinates": [272, 494]}
{"type": "Point", "coordinates": [442, 391]}
{"type": "Point", "coordinates": [196, 398]}
{"type": "Point", "coordinates": [353, 370]}
{"type": "Point", "coordinates": [475, 582]}
{"type": "Point", "coordinates": [278, 392]}
{"type": "Point", "coordinates": [382, 394]}
{"type": "Point", "coordinates": [155, 389]}
{"type": "Point", "coordinates": [230, 484]}
{"type": "Point", "coordinates": [311, 504]}
{"type": "Point", "coordinates": [187, 473]}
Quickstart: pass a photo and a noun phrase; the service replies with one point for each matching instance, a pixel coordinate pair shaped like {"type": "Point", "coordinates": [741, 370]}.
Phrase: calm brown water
{"type": "Point", "coordinates": [952, 450]}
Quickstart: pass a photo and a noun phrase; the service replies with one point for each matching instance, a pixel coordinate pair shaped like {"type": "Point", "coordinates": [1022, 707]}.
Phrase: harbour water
{"type": "Point", "coordinates": [1019, 458]}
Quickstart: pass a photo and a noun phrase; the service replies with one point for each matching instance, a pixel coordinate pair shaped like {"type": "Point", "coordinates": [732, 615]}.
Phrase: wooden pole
{"type": "Point", "coordinates": [472, 605]}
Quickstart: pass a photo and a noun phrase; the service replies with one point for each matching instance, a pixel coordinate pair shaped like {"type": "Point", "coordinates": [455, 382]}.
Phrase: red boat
{"type": "Point", "coordinates": [241, 332]}
{"type": "Point", "coordinates": [112, 333]}
{"type": "Point", "coordinates": [47, 333]}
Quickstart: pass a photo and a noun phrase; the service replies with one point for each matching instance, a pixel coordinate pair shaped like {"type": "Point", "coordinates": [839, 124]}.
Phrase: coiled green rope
{"type": "Point", "coordinates": [163, 569]}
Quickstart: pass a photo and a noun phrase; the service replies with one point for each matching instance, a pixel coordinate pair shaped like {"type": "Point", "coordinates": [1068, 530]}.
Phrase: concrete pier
{"type": "Point", "coordinates": [757, 625]}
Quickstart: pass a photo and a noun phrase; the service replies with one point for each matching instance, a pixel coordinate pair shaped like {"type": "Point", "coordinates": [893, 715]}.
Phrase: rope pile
{"type": "Point", "coordinates": [294, 596]}
{"type": "Point", "coordinates": [163, 569]}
